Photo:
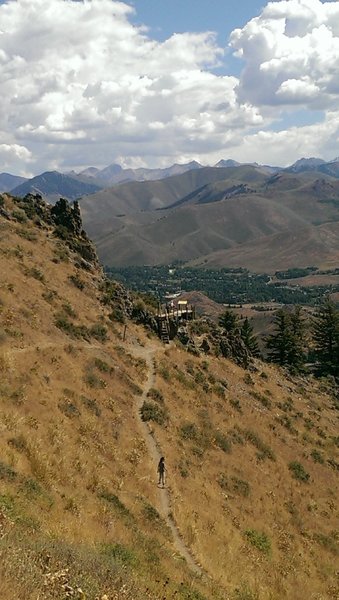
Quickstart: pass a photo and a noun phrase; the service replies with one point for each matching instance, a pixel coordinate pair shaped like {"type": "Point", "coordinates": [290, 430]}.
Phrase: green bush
{"type": "Point", "coordinates": [298, 471]}
{"type": "Point", "coordinates": [259, 540]}
{"type": "Point", "coordinates": [317, 457]}
{"type": "Point", "coordinates": [155, 395]}
{"type": "Point", "coordinates": [19, 215]}
{"type": "Point", "coordinates": [102, 366]}
{"type": "Point", "coordinates": [153, 412]}
{"type": "Point", "coordinates": [121, 554]}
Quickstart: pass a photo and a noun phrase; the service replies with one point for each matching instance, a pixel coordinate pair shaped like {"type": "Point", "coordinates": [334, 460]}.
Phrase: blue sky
{"type": "Point", "coordinates": [98, 82]}
{"type": "Point", "coordinates": [164, 18]}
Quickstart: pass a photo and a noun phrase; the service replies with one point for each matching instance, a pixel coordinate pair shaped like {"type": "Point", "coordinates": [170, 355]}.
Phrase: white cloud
{"type": "Point", "coordinates": [81, 85]}
{"type": "Point", "coordinates": [291, 53]}
{"type": "Point", "coordinates": [13, 155]}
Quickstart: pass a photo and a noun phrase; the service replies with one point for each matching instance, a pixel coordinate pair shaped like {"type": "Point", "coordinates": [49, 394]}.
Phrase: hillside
{"type": "Point", "coordinates": [233, 217]}
{"type": "Point", "coordinates": [8, 181]}
{"type": "Point", "coordinates": [52, 185]}
{"type": "Point", "coordinates": [249, 509]}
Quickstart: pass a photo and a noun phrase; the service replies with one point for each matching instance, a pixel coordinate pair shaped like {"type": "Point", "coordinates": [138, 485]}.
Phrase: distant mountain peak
{"type": "Point", "coordinates": [227, 163]}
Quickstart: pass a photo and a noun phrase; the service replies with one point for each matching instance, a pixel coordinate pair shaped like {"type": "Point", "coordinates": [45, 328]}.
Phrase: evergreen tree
{"type": "Point", "coordinates": [278, 343]}
{"type": "Point", "coordinates": [228, 320]}
{"type": "Point", "coordinates": [285, 345]}
{"type": "Point", "coordinates": [326, 338]}
{"type": "Point", "coordinates": [249, 338]}
{"type": "Point", "coordinates": [296, 357]}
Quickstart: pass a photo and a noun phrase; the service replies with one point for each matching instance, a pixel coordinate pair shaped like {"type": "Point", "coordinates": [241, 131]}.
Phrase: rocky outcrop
{"type": "Point", "coordinates": [209, 338]}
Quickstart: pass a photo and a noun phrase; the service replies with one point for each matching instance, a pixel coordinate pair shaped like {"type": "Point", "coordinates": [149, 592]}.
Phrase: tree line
{"type": "Point", "coordinates": [297, 342]}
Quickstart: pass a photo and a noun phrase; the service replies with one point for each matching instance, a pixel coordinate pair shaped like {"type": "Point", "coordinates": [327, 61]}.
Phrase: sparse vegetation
{"type": "Point", "coordinates": [298, 471]}
{"type": "Point", "coordinates": [223, 442]}
{"type": "Point", "coordinates": [75, 466]}
{"type": "Point", "coordinates": [264, 450]}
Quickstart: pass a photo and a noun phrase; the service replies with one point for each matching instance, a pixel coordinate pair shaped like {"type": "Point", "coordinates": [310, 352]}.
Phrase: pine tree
{"type": "Point", "coordinates": [228, 321]}
{"type": "Point", "coordinates": [249, 338]}
{"type": "Point", "coordinates": [326, 338]}
{"type": "Point", "coordinates": [285, 345]}
{"type": "Point", "coordinates": [278, 343]}
{"type": "Point", "coordinates": [296, 356]}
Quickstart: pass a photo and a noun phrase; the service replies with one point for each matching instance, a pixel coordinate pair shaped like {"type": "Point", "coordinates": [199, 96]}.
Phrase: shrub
{"type": "Point", "coordinates": [99, 332]}
{"type": "Point", "coordinates": [151, 513]}
{"type": "Point", "coordinates": [19, 215]}
{"type": "Point", "coordinates": [330, 542]}
{"type": "Point", "coordinates": [115, 502]}
{"type": "Point", "coordinates": [189, 431]}
{"type": "Point", "coordinates": [317, 457]}
{"type": "Point", "coordinates": [153, 412]}
{"type": "Point", "coordinates": [121, 554]}
{"type": "Point", "coordinates": [28, 235]}
{"type": "Point", "coordinates": [236, 404]}
{"type": "Point", "coordinates": [18, 443]}
{"type": "Point", "coordinates": [298, 471]}
{"type": "Point", "coordinates": [102, 366]}
{"type": "Point", "coordinates": [264, 450]}
{"type": "Point", "coordinates": [240, 486]}
{"type": "Point", "coordinates": [223, 442]}
{"type": "Point", "coordinates": [77, 281]}
{"type": "Point", "coordinates": [248, 379]}
{"type": "Point", "coordinates": [36, 273]}
{"type": "Point", "coordinates": [259, 540]}
{"type": "Point", "coordinates": [69, 409]}
{"type": "Point", "coordinates": [69, 310]}
{"type": "Point", "coordinates": [93, 381]}
{"type": "Point", "coordinates": [91, 405]}
{"type": "Point", "coordinates": [6, 472]}
{"type": "Point", "coordinates": [155, 395]}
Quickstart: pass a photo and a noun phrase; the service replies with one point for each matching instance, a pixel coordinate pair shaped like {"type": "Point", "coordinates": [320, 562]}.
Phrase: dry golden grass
{"type": "Point", "coordinates": [77, 482]}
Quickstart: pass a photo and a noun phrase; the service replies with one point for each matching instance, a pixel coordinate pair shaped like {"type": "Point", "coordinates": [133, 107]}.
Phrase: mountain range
{"type": "Point", "coordinates": [260, 217]}
{"type": "Point", "coordinates": [52, 183]}
{"type": "Point", "coordinates": [214, 217]}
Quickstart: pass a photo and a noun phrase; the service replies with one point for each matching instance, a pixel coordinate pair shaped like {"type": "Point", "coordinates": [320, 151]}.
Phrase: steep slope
{"type": "Point", "coordinates": [214, 221]}
{"type": "Point", "coordinates": [249, 509]}
{"type": "Point", "coordinates": [302, 247]}
{"type": "Point", "coordinates": [137, 197]}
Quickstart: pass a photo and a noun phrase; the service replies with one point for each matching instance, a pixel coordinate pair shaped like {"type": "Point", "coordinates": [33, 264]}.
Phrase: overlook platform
{"type": "Point", "coordinates": [170, 316]}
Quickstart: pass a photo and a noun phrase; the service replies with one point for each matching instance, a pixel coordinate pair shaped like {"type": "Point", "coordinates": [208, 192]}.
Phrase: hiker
{"type": "Point", "coordinates": [161, 471]}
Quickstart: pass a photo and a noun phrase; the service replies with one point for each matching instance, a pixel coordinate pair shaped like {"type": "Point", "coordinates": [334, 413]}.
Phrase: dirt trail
{"type": "Point", "coordinates": [147, 353]}
{"type": "Point", "coordinates": [154, 450]}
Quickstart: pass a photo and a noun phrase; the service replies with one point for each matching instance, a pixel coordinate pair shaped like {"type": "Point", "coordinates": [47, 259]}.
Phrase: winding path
{"type": "Point", "coordinates": [147, 353]}
{"type": "Point", "coordinates": [154, 450]}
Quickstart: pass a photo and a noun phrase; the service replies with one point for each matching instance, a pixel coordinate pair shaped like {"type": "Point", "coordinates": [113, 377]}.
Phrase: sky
{"type": "Point", "coordinates": [149, 83]}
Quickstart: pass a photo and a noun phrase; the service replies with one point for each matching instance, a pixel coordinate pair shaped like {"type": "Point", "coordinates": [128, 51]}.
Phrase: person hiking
{"type": "Point", "coordinates": [161, 471]}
